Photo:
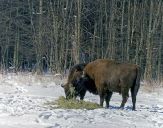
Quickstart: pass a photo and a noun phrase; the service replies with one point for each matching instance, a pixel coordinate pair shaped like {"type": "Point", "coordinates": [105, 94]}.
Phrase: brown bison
{"type": "Point", "coordinates": [70, 88]}
{"type": "Point", "coordinates": [109, 76]}
{"type": "Point", "coordinates": [103, 77]}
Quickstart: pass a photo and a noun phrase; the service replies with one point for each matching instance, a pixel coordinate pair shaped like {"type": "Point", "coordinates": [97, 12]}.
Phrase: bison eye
{"type": "Point", "coordinates": [62, 85]}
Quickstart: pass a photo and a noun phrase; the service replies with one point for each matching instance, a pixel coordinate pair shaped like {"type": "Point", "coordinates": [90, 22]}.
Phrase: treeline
{"type": "Point", "coordinates": [52, 35]}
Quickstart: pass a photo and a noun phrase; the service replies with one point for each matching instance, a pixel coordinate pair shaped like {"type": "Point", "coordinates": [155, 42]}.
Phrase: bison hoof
{"type": "Point", "coordinates": [106, 107]}
{"type": "Point", "coordinates": [121, 108]}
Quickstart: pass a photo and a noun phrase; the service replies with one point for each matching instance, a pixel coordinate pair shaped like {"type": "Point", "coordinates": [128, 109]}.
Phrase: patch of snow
{"type": "Point", "coordinates": [22, 106]}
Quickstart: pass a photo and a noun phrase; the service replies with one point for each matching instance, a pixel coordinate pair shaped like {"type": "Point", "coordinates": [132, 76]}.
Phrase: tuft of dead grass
{"type": "Point", "coordinates": [151, 86]}
{"type": "Point", "coordinates": [63, 103]}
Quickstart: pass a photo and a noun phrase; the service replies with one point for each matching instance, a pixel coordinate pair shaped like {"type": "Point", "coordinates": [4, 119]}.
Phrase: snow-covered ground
{"type": "Point", "coordinates": [22, 106]}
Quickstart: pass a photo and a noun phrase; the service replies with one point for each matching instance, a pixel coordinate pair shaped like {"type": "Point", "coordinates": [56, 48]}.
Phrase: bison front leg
{"type": "Point", "coordinates": [125, 96]}
{"type": "Point", "coordinates": [101, 100]}
{"type": "Point", "coordinates": [102, 96]}
{"type": "Point", "coordinates": [82, 94]}
{"type": "Point", "coordinates": [107, 98]}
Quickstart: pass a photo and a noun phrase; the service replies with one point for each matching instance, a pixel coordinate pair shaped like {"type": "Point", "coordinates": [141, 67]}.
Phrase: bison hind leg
{"type": "Point", "coordinates": [133, 95]}
{"type": "Point", "coordinates": [125, 96]}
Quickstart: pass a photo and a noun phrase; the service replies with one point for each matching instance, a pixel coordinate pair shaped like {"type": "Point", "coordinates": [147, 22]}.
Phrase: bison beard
{"type": "Point", "coordinates": [103, 77]}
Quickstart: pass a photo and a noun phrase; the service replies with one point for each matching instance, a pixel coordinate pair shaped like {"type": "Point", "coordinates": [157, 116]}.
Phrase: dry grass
{"type": "Point", "coordinates": [151, 86]}
{"type": "Point", "coordinates": [72, 104]}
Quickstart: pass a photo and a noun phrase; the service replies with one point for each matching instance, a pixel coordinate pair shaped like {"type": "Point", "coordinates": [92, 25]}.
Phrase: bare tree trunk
{"type": "Point", "coordinates": [39, 64]}
{"type": "Point", "coordinates": [122, 33]}
{"type": "Point", "coordinates": [66, 39]}
{"type": "Point", "coordinates": [16, 52]}
{"type": "Point", "coordinates": [93, 42]}
{"type": "Point", "coordinates": [66, 52]}
{"type": "Point", "coordinates": [133, 22]}
{"type": "Point", "coordinates": [151, 31]}
{"type": "Point", "coordinates": [159, 68]}
{"type": "Point", "coordinates": [4, 57]}
{"type": "Point", "coordinates": [110, 51]}
{"type": "Point", "coordinates": [148, 68]}
{"type": "Point", "coordinates": [128, 32]}
{"type": "Point", "coordinates": [77, 36]}
{"type": "Point", "coordinates": [54, 62]}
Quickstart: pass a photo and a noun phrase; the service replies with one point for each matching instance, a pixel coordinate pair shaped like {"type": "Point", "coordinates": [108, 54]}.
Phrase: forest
{"type": "Point", "coordinates": [43, 36]}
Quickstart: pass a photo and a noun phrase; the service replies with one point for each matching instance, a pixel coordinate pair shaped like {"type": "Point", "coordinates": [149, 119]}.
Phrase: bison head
{"type": "Point", "coordinates": [70, 88]}
{"type": "Point", "coordinates": [69, 91]}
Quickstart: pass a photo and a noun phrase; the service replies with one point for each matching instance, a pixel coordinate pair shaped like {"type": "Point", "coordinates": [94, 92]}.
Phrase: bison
{"type": "Point", "coordinates": [70, 88]}
{"type": "Point", "coordinates": [109, 76]}
{"type": "Point", "coordinates": [103, 77]}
